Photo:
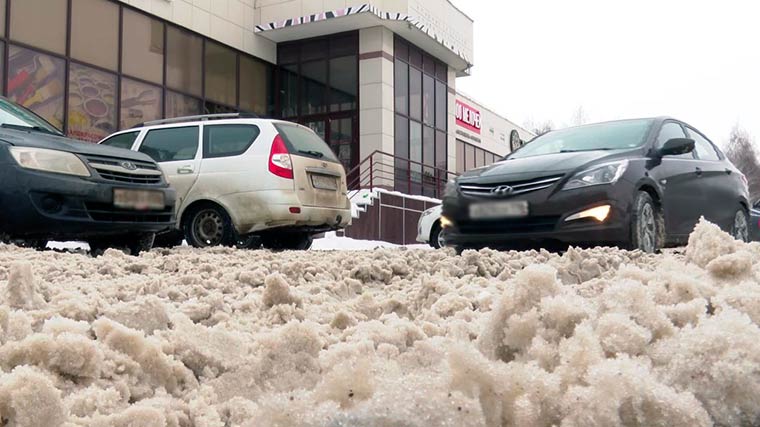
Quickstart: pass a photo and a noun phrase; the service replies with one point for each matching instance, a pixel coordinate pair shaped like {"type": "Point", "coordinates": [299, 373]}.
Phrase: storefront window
{"type": "Point", "coordinates": [313, 87]}
{"type": "Point", "coordinates": [415, 94]}
{"type": "Point", "coordinates": [255, 86]}
{"type": "Point", "coordinates": [179, 105]}
{"type": "Point", "coordinates": [401, 147]}
{"type": "Point", "coordinates": [341, 140]}
{"type": "Point", "coordinates": [289, 91]}
{"type": "Point", "coordinates": [140, 103]}
{"type": "Point", "coordinates": [344, 45]}
{"type": "Point", "coordinates": [40, 23]}
{"type": "Point", "coordinates": [441, 105]}
{"type": "Point", "coordinates": [184, 61]}
{"type": "Point", "coordinates": [344, 83]}
{"type": "Point", "coordinates": [2, 18]}
{"type": "Point", "coordinates": [428, 100]}
{"type": "Point", "coordinates": [313, 50]}
{"type": "Point", "coordinates": [37, 81]}
{"type": "Point", "coordinates": [95, 32]}
{"type": "Point", "coordinates": [401, 87]}
{"type": "Point", "coordinates": [143, 47]}
{"type": "Point", "coordinates": [441, 153]}
{"type": "Point", "coordinates": [221, 74]}
{"type": "Point", "coordinates": [461, 167]}
{"type": "Point", "coordinates": [92, 103]}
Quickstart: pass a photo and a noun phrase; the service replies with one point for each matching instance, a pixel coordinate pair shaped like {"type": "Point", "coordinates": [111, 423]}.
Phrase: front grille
{"type": "Point", "coordinates": [511, 188]}
{"type": "Point", "coordinates": [533, 224]}
{"type": "Point", "coordinates": [107, 212]}
{"type": "Point", "coordinates": [112, 169]}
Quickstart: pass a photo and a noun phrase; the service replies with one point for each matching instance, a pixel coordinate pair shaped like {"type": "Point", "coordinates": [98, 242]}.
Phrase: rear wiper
{"type": "Point", "coordinates": [28, 128]}
{"type": "Point", "coordinates": [316, 154]}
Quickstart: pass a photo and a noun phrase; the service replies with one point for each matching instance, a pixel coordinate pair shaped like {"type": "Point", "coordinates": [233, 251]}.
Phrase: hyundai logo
{"type": "Point", "coordinates": [502, 190]}
{"type": "Point", "coordinates": [129, 166]}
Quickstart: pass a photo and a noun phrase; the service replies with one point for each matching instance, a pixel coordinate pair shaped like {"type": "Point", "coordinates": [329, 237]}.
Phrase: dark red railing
{"type": "Point", "coordinates": [391, 172]}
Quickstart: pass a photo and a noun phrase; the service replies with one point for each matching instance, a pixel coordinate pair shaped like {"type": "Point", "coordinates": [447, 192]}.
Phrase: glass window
{"type": "Point", "coordinates": [304, 142]}
{"type": "Point", "coordinates": [179, 105]}
{"type": "Point", "coordinates": [2, 18]}
{"type": "Point", "coordinates": [415, 57]}
{"type": "Point", "coordinates": [221, 74]}
{"type": "Point", "coordinates": [415, 143]}
{"type": "Point", "coordinates": [214, 108]}
{"type": "Point", "coordinates": [415, 94]}
{"type": "Point", "coordinates": [184, 61]}
{"type": "Point", "coordinates": [401, 150]}
{"type": "Point", "coordinates": [460, 157]}
{"type": "Point", "coordinates": [95, 32]}
{"type": "Point", "coordinates": [672, 130]}
{"type": "Point", "coordinates": [428, 146]}
{"type": "Point", "coordinates": [40, 23]}
{"type": "Point", "coordinates": [441, 105]}
{"type": "Point", "coordinates": [312, 50]}
{"type": "Point", "coordinates": [289, 91]}
{"type": "Point", "coordinates": [14, 115]}
{"type": "Point", "coordinates": [441, 161]}
{"type": "Point", "coordinates": [341, 138]}
{"type": "Point", "coordinates": [171, 144]}
{"type": "Point", "coordinates": [140, 103]}
{"type": "Point", "coordinates": [143, 47]}
{"type": "Point", "coordinates": [255, 84]}
{"type": "Point", "coordinates": [37, 81]}
{"type": "Point", "coordinates": [228, 140]}
{"type": "Point", "coordinates": [428, 64]}
{"type": "Point", "coordinates": [344, 83]}
{"type": "Point", "coordinates": [287, 54]}
{"type": "Point", "coordinates": [344, 45]}
{"type": "Point", "coordinates": [122, 140]}
{"type": "Point", "coordinates": [313, 87]}
{"type": "Point", "coordinates": [704, 148]}
{"type": "Point", "coordinates": [428, 100]}
{"type": "Point", "coordinates": [401, 87]}
{"type": "Point", "coordinates": [469, 157]}
{"type": "Point", "coordinates": [92, 103]}
{"type": "Point", "coordinates": [401, 49]}
{"type": "Point", "coordinates": [441, 71]}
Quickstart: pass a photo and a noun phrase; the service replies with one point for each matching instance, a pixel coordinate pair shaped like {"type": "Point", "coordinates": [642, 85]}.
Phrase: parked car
{"type": "Point", "coordinates": [245, 180]}
{"type": "Point", "coordinates": [639, 184]}
{"type": "Point", "coordinates": [52, 187]}
{"type": "Point", "coordinates": [429, 228]}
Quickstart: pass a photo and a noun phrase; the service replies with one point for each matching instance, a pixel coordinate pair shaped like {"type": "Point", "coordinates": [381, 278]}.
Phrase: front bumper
{"type": "Point", "coordinates": [53, 206]}
{"type": "Point", "coordinates": [546, 223]}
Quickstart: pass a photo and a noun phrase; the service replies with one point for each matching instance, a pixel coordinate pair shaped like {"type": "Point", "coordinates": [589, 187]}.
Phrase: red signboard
{"type": "Point", "coordinates": [468, 117]}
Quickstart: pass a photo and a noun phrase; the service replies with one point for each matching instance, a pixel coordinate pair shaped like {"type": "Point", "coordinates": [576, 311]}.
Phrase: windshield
{"type": "Point", "coordinates": [14, 115]}
{"type": "Point", "coordinates": [603, 136]}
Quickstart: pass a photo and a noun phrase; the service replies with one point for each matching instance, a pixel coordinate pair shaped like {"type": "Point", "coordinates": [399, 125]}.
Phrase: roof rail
{"type": "Point", "coordinates": [202, 117]}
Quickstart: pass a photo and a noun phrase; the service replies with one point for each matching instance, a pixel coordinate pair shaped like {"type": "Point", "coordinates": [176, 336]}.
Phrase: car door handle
{"type": "Point", "coordinates": [184, 170]}
{"type": "Point", "coordinates": [699, 171]}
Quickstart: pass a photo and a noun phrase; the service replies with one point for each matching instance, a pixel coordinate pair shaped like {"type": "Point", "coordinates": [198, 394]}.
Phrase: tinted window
{"type": "Point", "coordinates": [95, 32]}
{"type": "Point", "coordinates": [669, 131]}
{"type": "Point", "coordinates": [170, 145]}
{"type": "Point", "coordinates": [143, 47]}
{"type": "Point", "coordinates": [304, 142]}
{"type": "Point", "coordinates": [221, 74]}
{"type": "Point", "coordinates": [40, 23]}
{"type": "Point", "coordinates": [705, 150]}
{"type": "Point", "coordinates": [228, 140]}
{"type": "Point", "coordinates": [123, 140]}
{"type": "Point", "coordinates": [184, 60]}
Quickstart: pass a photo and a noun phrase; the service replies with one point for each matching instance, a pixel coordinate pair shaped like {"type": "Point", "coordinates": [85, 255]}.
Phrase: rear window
{"type": "Point", "coordinates": [228, 140]}
{"type": "Point", "coordinates": [304, 142]}
{"type": "Point", "coordinates": [124, 140]}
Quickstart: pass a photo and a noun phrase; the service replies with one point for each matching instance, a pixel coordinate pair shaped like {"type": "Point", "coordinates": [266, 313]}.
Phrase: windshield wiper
{"type": "Point", "coordinates": [316, 154]}
{"type": "Point", "coordinates": [29, 128]}
{"type": "Point", "coordinates": [587, 149]}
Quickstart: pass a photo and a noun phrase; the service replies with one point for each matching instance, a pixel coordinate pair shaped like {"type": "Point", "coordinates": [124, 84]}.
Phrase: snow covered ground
{"type": "Point", "coordinates": [388, 337]}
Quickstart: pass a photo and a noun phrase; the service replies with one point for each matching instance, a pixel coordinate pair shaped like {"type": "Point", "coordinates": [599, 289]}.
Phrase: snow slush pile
{"type": "Point", "coordinates": [392, 337]}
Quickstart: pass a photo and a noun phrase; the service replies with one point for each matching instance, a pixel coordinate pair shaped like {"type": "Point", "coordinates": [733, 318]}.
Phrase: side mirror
{"type": "Point", "coordinates": [677, 146]}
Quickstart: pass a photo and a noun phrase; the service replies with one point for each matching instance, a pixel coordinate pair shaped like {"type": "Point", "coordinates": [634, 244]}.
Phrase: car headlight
{"type": "Point", "coordinates": [607, 173]}
{"type": "Point", "coordinates": [49, 161]}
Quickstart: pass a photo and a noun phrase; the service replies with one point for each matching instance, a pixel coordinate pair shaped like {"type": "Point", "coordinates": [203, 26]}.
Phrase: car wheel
{"type": "Point", "coordinates": [646, 224]}
{"type": "Point", "coordinates": [209, 226]}
{"type": "Point", "coordinates": [436, 237]}
{"type": "Point", "coordinates": [740, 229]}
{"type": "Point", "coordinates": [170, 239]}
{"type": "Point", "coordinates": [135, 243]}
{"type": "Point", "coordinates": [287, 241]}
{"type": "Point", "coordinates": [250, 241]}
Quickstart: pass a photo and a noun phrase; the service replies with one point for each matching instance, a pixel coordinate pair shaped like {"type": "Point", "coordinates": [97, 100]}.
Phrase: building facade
{"type": "Point", "coordinates": [373, 79]}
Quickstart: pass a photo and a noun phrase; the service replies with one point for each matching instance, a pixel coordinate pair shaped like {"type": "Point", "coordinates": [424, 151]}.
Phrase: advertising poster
{"type": "Point", "coordinates": [92, 103]}
{"type": "Point", "coordinates": [140, 103]}
{"type": "Point", "coordinates": [36, 81]}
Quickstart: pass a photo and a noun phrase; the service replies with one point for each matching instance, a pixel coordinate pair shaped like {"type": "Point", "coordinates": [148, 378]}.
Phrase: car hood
{"type": "Point", "coordinates": [536, 166]}
{"type": "Point", "coordinates": [33, 139]}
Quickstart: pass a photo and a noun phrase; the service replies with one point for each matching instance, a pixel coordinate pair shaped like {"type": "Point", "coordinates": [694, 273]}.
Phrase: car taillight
{"type": "Point", "coordinates": [279, 159]}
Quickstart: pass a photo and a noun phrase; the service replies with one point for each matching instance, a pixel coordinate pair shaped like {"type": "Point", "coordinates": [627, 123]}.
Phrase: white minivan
{"type": "Point", "coordinates": [244, 181]}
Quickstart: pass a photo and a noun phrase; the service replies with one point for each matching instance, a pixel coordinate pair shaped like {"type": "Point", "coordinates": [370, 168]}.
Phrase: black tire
{"type": "Point", "coordinates": [207, 226]}
{"type": "Point", "coordinates": [169, 239]}
{"type": "Point", "coordinates": [435, 236]}
{"type": "Point", "coordinates": [135, 243]}
{"type": "Point", "coordinates": [38, 244]}
{"type": "Point", "coordinates": [740, 228]}
{"type": "Point", "coordinates": [287, 241]}
{"type": "Point", "coordinates": [646, 225]}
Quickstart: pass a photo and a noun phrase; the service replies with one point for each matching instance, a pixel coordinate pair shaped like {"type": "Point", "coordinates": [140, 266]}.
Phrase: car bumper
{"type": "Point", "coordinates": [547, 220]}
{"type": "Point", "coordinates": [44, 205]}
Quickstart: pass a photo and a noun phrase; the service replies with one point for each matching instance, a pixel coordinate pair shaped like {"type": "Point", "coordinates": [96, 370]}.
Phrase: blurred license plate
{"type": "Point", "coordinates": [324, 182]}
{"type": "Point", "coordinates": [496, 210]}
{"type": "Point", "coordinates": [140, 200]}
